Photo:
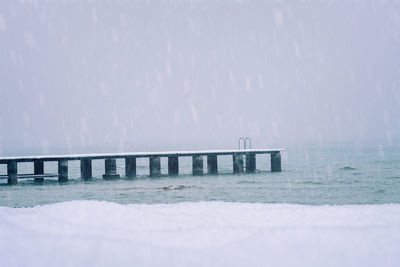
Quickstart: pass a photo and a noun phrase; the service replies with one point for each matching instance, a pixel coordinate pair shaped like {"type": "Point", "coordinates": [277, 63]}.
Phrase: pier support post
{"type": "Point", "coordinates": [38, 168]}
{"type": "Point", "coordinates": [86, 169]}
{"type": "Point", "coordinates": [130, 167]}
{"type": "Point", "coordinates": [250, 162]}
{"type": "Point", "coordinates": [62, 170]}
{"type": "Point", "coordinates": [110, 165]}
{"type": "Point", "coordinates": [155, 166]}
{"type": "Point", "coordinates": [197, 165]}
{"type": "Point", "coordinates": [173, 165]}
{"type": "Point", "coordinates": [12, 172]}
{"type": "Point", "coordinates": [212, 164]}
{"type": "Point", "coordinates": [237, 163]}
{"type": "Point", "coordinates": [276, 162]}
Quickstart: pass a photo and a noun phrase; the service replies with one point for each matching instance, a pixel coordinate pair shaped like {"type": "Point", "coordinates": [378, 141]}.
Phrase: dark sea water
{"type": "Point", "coordinates": [310, 175]}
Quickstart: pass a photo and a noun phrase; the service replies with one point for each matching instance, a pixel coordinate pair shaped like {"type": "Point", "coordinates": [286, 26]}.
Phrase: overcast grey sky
{"type": "Point", "coordinates": [81, 76]}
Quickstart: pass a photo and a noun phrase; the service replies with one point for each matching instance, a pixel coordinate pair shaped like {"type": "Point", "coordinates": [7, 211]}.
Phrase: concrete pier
{"type": "Point", "coordinates": [110, 169]}
{"type": "Point", "coordinates": [38, 168]}
{"type": "Point", "coordinates": [12, 172]}
{"type": "Point", "coordinates": [197, 165]}
{"type": "Point", "coordinates": [62, 170]}
{"type": "Point", "coordinates": [173, 165]}
{"type": "Point", "coordinates": [250, 163]}
{"type": "Point", "coordinates": [130, 167]}
{"type": "Point", "coordinates": [238, 155]}
{"type": "Point", "coordinates": [212, 164]}
{"type": "Point", "coordinates": [86, 169]}
{"type": "Point", "coordinates": [238, 163]}
{"type": "Point", "coordinates": [276, 162]}
{"type": "Point", "coordinates": [155, 166]}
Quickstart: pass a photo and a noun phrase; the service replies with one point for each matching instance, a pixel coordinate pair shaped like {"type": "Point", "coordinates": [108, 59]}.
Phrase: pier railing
{"type": "Point", "coordinates": [243, 161]}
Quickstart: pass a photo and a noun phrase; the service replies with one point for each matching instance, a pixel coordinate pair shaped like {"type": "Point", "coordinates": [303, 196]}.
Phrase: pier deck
{"type": "Point", "coordinates": [244, 160]}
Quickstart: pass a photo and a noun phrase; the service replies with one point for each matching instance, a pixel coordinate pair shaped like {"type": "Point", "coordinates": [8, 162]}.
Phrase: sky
{"type": "Point", "coordinates": [92, 76]}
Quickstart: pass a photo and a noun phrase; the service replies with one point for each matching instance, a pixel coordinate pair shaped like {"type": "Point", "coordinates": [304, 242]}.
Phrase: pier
{"type": "Point", "coordinates": [243, 161]}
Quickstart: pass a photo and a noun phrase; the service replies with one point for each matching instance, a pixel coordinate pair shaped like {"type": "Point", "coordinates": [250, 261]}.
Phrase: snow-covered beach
{"type": "Point", "coordinates": [93, 233]}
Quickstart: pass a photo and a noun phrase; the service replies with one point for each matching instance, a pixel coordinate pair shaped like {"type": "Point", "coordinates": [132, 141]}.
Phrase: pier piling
{"type": "Point", "coordinates": [12, 172]}
{"type": "Point", "coordinates": [173, 165]}
{"type": "Point", "coordinates": [130, 167]}
{"type": "Point", "coordinates": [276, 162]}
{"type": "Point", "coordinates": [197, 165]}
{"type": "Point", "coordinates": [250, 163]}
{"type": "Point", "coordinates": [212, 164]}
{"type": "Point", "coordinates": [86, 169]}
{"type": "Point", "coordinates": [38, 168]}
{"type": "Point", "coordinates": [237, 163]}
{"type": "Point", "coordinates": [62, 170]}
{"type": "Point", "coordinates": [110, 165]}
{"type": "Point", "coordinates": [155, 166]}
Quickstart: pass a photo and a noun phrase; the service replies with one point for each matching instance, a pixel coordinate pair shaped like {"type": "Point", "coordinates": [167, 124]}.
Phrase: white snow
{"type": "Point", "coordinates": [91, 233]}
{"type": "Point", "coordinates": [147, 154]}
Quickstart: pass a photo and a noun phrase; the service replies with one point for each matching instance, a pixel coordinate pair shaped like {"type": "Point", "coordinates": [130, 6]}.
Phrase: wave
{"type": "Point", "coordinates": [179, 187]}
{"type": "Point", "coordinates": [347, 168]}
{"type": "Point", "coordinates": [313, 182]}
{"type": "Point", "coordinates": [249, 182]}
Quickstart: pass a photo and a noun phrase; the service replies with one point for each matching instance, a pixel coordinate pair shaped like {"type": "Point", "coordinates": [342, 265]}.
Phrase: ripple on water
{"type": "Point", "coordinates": [312, 182]}
{"type": "Point", "coordinates": [249, 182]}
{"type": "Point", "coordinates": [380, 191]}
{"type": "Point", "coordinates": [179, 187]}
{"type": "Point", "coordinates": [348, 181]}
{"type": "Point", "coordinates": [347, 168]}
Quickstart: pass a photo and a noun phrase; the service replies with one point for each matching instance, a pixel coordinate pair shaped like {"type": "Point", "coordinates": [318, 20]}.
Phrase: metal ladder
{"type": "Point", "coordinates": [244, 141]}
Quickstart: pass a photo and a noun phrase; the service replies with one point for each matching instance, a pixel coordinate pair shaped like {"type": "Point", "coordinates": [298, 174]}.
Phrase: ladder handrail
{"type": "Point", "coordinates": [244, 142]}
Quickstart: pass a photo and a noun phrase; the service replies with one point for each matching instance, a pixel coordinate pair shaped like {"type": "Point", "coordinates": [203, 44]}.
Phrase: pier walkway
{"type": "Point", "coordinates": [243, 161]}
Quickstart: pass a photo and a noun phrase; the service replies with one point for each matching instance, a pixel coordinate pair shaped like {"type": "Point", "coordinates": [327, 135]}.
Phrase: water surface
{"type": "Point", "coordinates": [314, 176]}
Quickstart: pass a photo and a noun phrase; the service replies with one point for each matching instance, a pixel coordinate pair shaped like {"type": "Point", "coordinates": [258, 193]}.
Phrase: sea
{"type": "Point", "coordinates": [311, 175]}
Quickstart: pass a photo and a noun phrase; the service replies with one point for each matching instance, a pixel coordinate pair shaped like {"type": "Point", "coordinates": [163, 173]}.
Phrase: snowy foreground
{"type": "Point", "coordinates": [90, 233]}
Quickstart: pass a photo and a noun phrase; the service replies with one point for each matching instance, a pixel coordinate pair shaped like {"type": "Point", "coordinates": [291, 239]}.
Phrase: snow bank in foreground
{"type": "Point", "coordinates": [90, 233]}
